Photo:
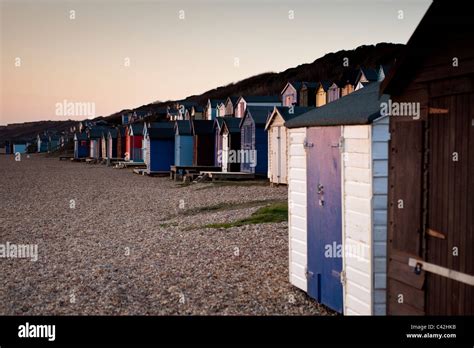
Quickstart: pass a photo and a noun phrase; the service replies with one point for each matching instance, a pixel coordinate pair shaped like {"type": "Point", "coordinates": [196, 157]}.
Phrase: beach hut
{"type": "Point", "coordinates": [112, 143]}
{"type": "Point", "coordinates": [337, 185]}
{"type": "Point", "coordinates": [431, 173]}
{"type": "Point", "coordinates": [211, 108]}
{"type": "Point", "coordinates": [307, 94]}
{"type": "Point", "coordinates": [81, 145]}
{"type": "Point", "coordinates": [254, 140]}
{"type": "Point", "coordinates": [291, 93]}
{"type": "Point", "coordinates": [53, 142]}
{"type": "Point", "coordinates": [203, 134]}
{"type": "Point", "coordinates": [230, 133]}
{"type": "Point", "coordinates": [95, 135]}
{"type": "Point", "coordinates": [257, 100]}
{"type": "Point", "coordinates": [365, 77]}
{"type": "Point", "coordinates": [348, 81]}
{"type": "Point", "coordinates": [133, 142]}
{"type": "Point", "coordinates": [278, 141]}
{"type": "Point", "coordinates": [229, 105]}
{"type": "Point", "coordinates": [8, 147]}
{"type": "Point", "coordinates": [160, 147]}
{"type": "Point", "coordinates": [104, 142]}
{"type": "Point", "coordinates": [334, 92]}
{"type": "Point", "coordinates": [321, 93]}
{"type": "Point", "coordinates": [121, 136]}
{"type": "Point", "coordinates": [19, 147]}
{"type": "Point", "coordinates": [220, 109]}
{"type": "Point", "coordinates": [218, 122]}
{"type": "Point", "coordinates": [41, 143]}
{"type": "Point", "coordinates": [183, 143]}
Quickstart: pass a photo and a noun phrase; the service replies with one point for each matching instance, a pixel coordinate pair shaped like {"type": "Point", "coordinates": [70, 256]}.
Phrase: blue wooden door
{"type": "Point", "coordinates": [324, 216]}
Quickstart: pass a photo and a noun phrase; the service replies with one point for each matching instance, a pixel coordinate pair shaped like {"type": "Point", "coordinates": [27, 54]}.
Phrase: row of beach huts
{"type": "Point", "coordinates": [379, 168]}
{"type": "Point", "coordinates": [236, 138]}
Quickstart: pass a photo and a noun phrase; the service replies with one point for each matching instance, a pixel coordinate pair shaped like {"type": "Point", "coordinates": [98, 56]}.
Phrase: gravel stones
{"type": "Point", "coordinates": [134, 245]}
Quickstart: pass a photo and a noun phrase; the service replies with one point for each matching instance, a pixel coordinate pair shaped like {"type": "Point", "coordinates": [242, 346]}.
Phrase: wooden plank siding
{"type": "Point", "coordinates": [448, 187]}
{"type": "Point", "coordinates": [297, 208]}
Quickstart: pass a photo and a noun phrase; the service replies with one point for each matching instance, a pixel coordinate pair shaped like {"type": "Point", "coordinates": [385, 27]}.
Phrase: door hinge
{"type": "Point", "coordinates": [343, 277]}
{"type": "Point", "coordinates": [308, 273]}
{"type": "Point", "coordinates": [340, 144]}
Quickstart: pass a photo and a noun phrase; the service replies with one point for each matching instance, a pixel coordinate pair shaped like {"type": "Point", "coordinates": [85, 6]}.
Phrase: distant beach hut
{"type": "Point", "coordinates": [291, 93]}
{"type": "Point", "coordinates": [81, 145]}
{"type": "Point", "coordinates": [8, 147]}
{"type": "Point", "coordinates": [278, 141]}
{"type": "Point", "coordinates": [95, 135]}
{"type": "Point", "coordinates": [203, 134]}
{"type": "Point", "coordinates": [160, 147]}
{"type": "Point", "coordinates": [53, 142]}
{"type": "Point", "coordinates": [255, 100]}
{"type": "Point", "coordinates": [19, 147]}
{"type": "Point", "coordinates": [230, 132]}
{"type": "Point", "coordinates": [218, 122]}
{"type": "Point", "coordinates": [210, 110]}
{"type": "Point", "coordinates": [254, 140]}
{"type": "Point", "coordinates": [121, 137]}
{"type": "Point", "coordinates": [112, 143]}
{"type": "Point", "coordinates": [133, 142]}
{"type": "Point", "coordinates": [183, 144]}
{"type": "Point", "coordinates": [41, 143]}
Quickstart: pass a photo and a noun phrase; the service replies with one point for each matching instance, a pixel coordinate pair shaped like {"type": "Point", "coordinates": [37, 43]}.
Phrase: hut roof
{"type": "Point", "coordinates": [202, 127]}
{"type": "Point", "coordinates": [261, 98]}
{"type": "Point", "coordinates": [80, 136]}
{"type": "Point", "coordinates": [310, 85]}
{"type": "Point", "coordinates": [359, 107]}
{"type": "Point", "coordinates": [215, 102]}
{"type": "Point", "coordinates": [96, 132]}
{"type": "Point", "coordinates": [259, 114]}
{"type": "Point", "coordinates": [325, 84]}
{"type": "Point", "coordinates": [370, 74]}
{"type": "Point", "coordinates": [232, 99]}
{"type": "Point", "coordinates": [164, 131]}
{"type": "Point", "coordinates": [112, 132]}
{"type": "Point", "coordinates": [219, 121]}
{"type": "Point", "coordinates": [287, 113]}
{"type": "Point", "coordinates": [137, 128]}
{"type": "Point", "coordinates": [296, 85]}
{"type": "Point", "coordinates": [232, 124]}
{"type": "Point", "coordinates": [183, 127]}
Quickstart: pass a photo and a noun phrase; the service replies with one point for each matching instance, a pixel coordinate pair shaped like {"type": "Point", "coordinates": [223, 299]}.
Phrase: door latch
{"type": "Point", "coordinates": [417, 268]}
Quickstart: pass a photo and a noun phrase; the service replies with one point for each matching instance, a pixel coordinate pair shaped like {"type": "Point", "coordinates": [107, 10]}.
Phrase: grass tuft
{"type": "Point", "coordinates": [276, 212]}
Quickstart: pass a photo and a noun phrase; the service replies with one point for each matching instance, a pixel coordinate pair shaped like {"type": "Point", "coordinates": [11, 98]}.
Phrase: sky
{"type": "Point", "coordinates": [116, 54]}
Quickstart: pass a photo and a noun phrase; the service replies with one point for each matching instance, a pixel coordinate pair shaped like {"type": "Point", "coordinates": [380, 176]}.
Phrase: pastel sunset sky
{"type": "Point", "coordinates": [48, 57]}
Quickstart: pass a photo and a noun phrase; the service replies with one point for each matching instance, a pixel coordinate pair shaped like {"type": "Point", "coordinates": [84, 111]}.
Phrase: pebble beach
{"type": "Point", "coordinates": [110, 242]}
